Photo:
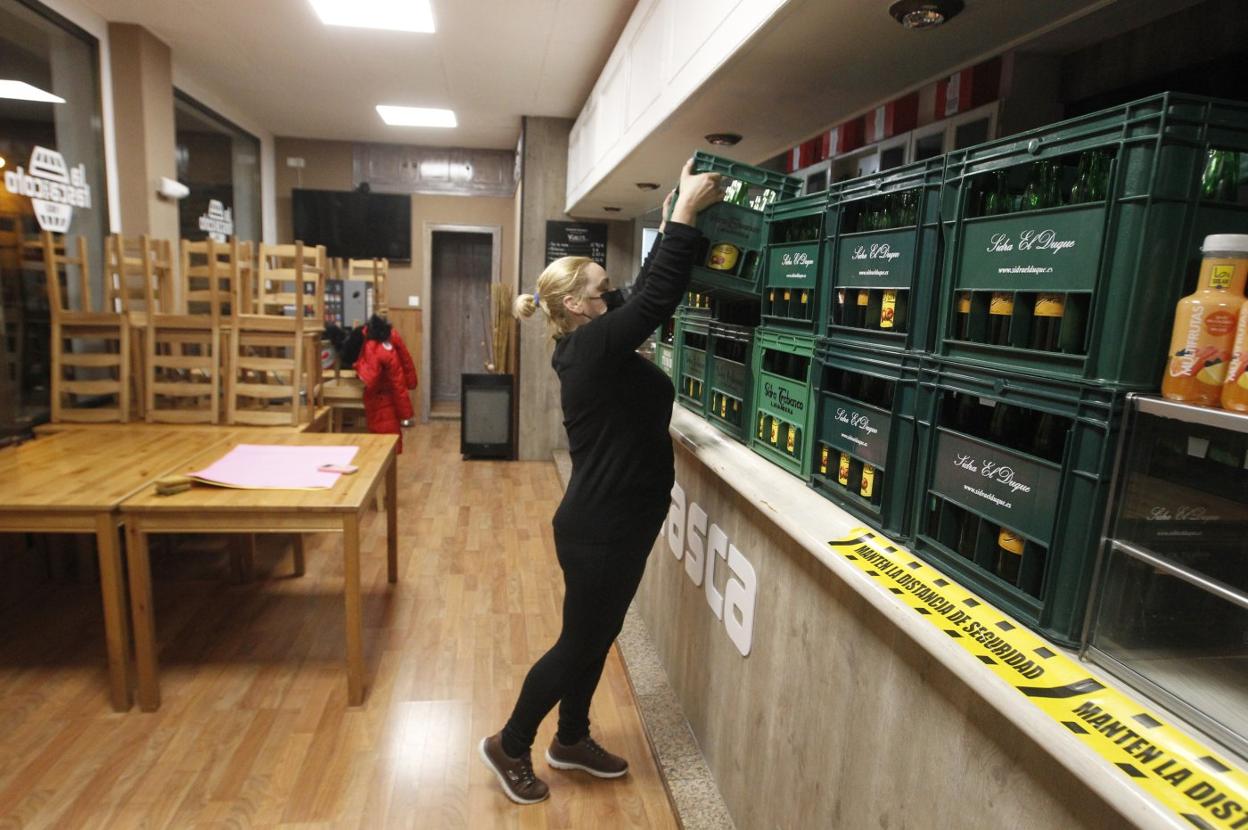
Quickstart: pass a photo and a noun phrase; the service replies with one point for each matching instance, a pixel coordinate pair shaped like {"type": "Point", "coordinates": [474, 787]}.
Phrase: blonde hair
{"type": "Point", "coordinates": [565, 277]}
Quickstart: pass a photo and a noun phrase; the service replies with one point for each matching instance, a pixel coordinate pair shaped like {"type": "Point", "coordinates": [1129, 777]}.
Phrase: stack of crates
{"type": "Point", "coordinates": [881, 265]}
{"type": "Point", "coordinates": [1067, 248]}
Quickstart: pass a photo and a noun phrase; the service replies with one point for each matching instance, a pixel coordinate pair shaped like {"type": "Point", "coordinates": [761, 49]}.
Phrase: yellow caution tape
{"type": "Point", "coordinates": [1198, 784]}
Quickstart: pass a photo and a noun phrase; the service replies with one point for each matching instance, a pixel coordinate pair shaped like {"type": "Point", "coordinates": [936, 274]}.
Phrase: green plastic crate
{"type": "Point", "coordinates": [883, 242]}
{"type": "Point", "coordinates": [862, 457]}
{"type": "Point", "coordinates": [736, 225]}
{"type": "Point", "coordinates": [969, 486]}
{"type": "Point", "coordinates": [730, 378]}
{"type": "Point", "coordinates": [791, 260]}
{"type": "Point", "coordinates": [782, 412]}
{"type": "Point", "coordinates": [664, 357]}
{"type": "Point", "coordinates": [1120, 250]}
{"type": "Point", "coordinates": [692, 339]}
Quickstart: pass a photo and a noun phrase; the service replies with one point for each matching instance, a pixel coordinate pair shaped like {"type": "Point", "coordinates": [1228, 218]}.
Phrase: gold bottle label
{"type": "Point", "coordinates": [723, 405]}
{"type": "Point", "coordinates": [775, 432]}
{"type": "Point", "coordinates": [823, 460]}
{"type": "Point", "coordinates": [1002, 304]}
{"type": "Point", "coordinates": [867, 489]}
{"type": "Point", "coordinates": [1050, 305]}
{"type": "Point", "coordinates": [842, 470]}
{"type": "Point", "coordinates": [804, 298]}
{"type": "Point", "coordinates": [762, 426]}
{"type": "Point", "coordinates": [787, 295]}
{"type": "Point", "coordinates": [864, 297]}
{"type": "Point", "coordinates": [788, 441]}
{"type": "Point", "coordinates": [723, 257]}
{"type": "Point", "coordinates": [964, 303]}
{"type": "Point", "coordinates": [1010, 542]}
{"type": "Point", "coordinates": [888, 309]}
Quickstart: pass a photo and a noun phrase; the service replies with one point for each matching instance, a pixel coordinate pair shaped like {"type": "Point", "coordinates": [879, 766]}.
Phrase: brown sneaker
{"type": "Point", "coordinates": [586, 755]}
{"type": "Point", "coordinates": [516, 775]}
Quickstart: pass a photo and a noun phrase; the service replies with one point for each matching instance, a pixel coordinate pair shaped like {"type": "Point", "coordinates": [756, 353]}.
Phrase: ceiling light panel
{"type": "Point", "coordinates": [395, 15]}
{"type": "Point", "coordinates": [416, 116]}
{"type": "Point", "coordinates": [22, 91]}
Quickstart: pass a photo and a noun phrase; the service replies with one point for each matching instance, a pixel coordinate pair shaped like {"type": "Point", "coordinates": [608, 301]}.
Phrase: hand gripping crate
{"type": "Point", "coordinates": [728, 265]}
{"type": "Point", "coordinates": [864, 432]}
{"type": "Point", "coordinates": [882, 258]}
{"type": "Point", "coordinates": [1012, 479]}
{"type": "Point", "coordinates": [782, 412]}
{"type": "Point", "coordinates": [1069, 245]}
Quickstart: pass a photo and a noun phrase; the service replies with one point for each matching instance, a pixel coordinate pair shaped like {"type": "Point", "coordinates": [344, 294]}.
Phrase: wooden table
{"type": "Point", "coordinates": [319, 422]}
{"type": "Point", "coordinates": [207, 509]}
{"type": "Point", "coordinates": [74, 482]}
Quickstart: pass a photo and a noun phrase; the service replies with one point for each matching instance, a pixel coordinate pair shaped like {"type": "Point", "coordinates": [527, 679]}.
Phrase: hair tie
{"type": "Point", "coordinates": [537, 299]}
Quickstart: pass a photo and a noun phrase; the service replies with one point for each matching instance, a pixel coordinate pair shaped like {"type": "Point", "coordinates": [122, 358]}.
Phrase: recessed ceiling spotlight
{"type": "Point", "coordinates": [395, 15]}
{"type": "Point", "coordinates": [416, 116]}
{"type": "Point", "coordinates": [612, 209]}
{"type": "Point", "coordinates": [647, 185]}
{"type": "Point", "coordinates": [723, 139]}
{"type": "Point", "coordinates": [22, 91]}
{"type": "Point", "coordinates": [924, 14]}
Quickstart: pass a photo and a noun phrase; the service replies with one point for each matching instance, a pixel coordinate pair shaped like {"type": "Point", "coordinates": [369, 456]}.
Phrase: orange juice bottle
{"type": "Point", "coordinates": [1204, 323]}
{"type": "Point", "coordinates": [1235, 389]}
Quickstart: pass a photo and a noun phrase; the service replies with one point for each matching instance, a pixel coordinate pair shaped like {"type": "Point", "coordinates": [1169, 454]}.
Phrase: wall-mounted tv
{"type": "Point", "coordinates": [354, 225]}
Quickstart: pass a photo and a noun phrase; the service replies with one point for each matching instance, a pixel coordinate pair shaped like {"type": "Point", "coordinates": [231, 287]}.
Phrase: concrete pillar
{"type": "Point", "coordinates": [142, 69]}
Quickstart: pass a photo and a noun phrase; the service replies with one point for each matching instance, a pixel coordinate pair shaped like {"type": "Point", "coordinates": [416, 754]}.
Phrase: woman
{"type": "Point", "coordinates": [616, 409]}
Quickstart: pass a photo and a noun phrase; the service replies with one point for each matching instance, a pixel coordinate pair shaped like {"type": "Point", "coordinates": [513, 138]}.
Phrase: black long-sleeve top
{"type": "Point", "coordinates": [617, 405]}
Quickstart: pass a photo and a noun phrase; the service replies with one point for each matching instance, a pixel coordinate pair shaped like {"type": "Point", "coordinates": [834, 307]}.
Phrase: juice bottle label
{"type": "Point", "coordinates": [1220, 323]}
{"type": "Point", "coordinates": [1220, 276]}
{"type": "Point", "coordinates": [888, 309]}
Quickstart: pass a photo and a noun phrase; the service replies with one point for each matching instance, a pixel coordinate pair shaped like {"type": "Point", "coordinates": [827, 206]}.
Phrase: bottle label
{"type": "Point", "coordinates": [888, 309]}
{"type": "Point", "coordinates": [1220, 276]}
{"type": "Point", "coordinates": [823, 460]}
{"type": "Point", "coordinates": [1220, 323]}
{"type": "Point", "coordinates": [1010, 542]}
{"type": "Point", "coordinates": [868, 482]}
{"type": "Point", "coordinates": [775, 432]}
{"type": "Point", "coordinates": [842, 471]}
{"type": "Point", "coordinates": [723, 257]}
{"type": "Point", "coordinates": [1002, 304]}
{"type": "Point", "coordinates": [864, 297]}
{"type": "Point", "coordinates": [1050, 305]}
{"type": "Point", "coordinates": [964, 303]}
{"type": "Point", "coordinates": [788, 441]}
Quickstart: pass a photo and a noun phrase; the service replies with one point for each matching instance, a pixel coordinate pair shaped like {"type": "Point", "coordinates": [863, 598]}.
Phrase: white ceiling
{"type": "Point", "coordinates": [491, 61]}
{"type": "Point", "coordinates": [817, 62]}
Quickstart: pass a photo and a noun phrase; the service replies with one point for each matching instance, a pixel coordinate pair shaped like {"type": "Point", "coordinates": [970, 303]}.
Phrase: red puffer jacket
{"type": "Point", "coordinates": [387, 371]}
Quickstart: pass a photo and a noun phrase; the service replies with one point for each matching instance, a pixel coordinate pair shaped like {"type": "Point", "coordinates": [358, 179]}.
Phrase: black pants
{"type": "Point", "coordinates": [600, 581]}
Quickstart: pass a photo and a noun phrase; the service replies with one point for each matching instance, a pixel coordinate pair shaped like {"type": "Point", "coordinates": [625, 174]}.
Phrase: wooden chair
{"type": "Point", "coordinates": [182, 365]}
{"type": "Point", "coordinates": [207, 262]}
{"type": "Point", "coordinates": [79, 328]}
{"type": "Point", "coordinates": [269, 354]}
{"type": "Point", "coordinates": [375, 272]}
{"type": "Point", "coordinates": [276, 277]}
{"type": "Point", "coordinates": [11, 316]}
{"type": "Point", "coordinates": [138, 280]}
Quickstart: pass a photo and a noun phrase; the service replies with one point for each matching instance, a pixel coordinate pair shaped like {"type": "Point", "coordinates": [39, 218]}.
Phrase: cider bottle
{"type": "Point", "coordinates": [1009, 555]}
{"type": "Point", "coordinates": [1205, 323]}
{"type": "Point", "coordinates": [1235, 389]}
{"type": "Point", "coordinates": [1000, 310]}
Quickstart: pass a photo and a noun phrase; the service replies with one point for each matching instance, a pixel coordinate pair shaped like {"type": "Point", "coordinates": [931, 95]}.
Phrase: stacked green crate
{"type": "Point", "coordinates": [692, 340]}
{"type": "Point", "coordinates": [864, 432]}
{"type": "Point", "coordinates": [1013, 477]}
{"type": "Point", "coordinates": [782, 412]}
{"type": "Point", "coordinates": [734, 228]}
{"type": "Point", "coordinates": [882, 257]}
{"type": "Point", "coordinates": [729, 377]}
{"type": "Point", "coordinates": [794, 235]}
{"type": "Point", "coordinates": [1069, 245]}
{"type": "Point", "coordinates": [665, 346]}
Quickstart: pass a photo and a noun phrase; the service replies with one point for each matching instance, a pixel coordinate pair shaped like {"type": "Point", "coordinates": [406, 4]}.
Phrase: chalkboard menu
{"type": "Point", "coordinates": [576, 239]}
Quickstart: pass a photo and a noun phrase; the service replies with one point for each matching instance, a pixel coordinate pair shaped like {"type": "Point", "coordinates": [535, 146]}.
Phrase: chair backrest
{"type": "Point", "coordinates": [182, 369]}
{"type": "Point", "coordinates": [139, 274]}
{"type": "Point", "coordinates": [375, 272]}
{"type": "Point", "coordinates": [59, 255]}
{"type": "Point", "coordinates": [212, 272]}
{"type": "Point", "coordinates": [289, 270]}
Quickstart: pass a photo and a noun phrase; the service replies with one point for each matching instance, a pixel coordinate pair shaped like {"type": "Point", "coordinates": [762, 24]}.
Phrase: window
{"type": "Point", "coordinates": [220, 163]}
{"type": "Point", "coordinates": [52, 161]}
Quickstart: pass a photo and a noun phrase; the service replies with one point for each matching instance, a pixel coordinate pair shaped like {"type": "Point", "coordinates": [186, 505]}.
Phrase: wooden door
{"type": "Point", "coordinates": [460, 309]}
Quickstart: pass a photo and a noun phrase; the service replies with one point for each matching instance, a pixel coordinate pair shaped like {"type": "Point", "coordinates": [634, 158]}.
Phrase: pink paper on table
{"type": "Point", "coordinates": [276, 467]}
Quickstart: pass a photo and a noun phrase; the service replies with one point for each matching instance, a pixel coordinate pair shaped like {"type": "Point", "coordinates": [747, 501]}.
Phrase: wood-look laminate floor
{"type": "Point", "coordinates": [254, 730]}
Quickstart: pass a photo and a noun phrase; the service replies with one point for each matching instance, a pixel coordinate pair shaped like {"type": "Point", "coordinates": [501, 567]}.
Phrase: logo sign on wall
{"type": "Point", "coordinates": [54, 190]}
{"type": "Point", "coordinates": [218, 222]}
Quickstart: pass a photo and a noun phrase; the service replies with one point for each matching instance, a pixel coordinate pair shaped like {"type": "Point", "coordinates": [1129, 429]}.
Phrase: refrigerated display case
{"type": "Point", "coordinates": [1169, 610]}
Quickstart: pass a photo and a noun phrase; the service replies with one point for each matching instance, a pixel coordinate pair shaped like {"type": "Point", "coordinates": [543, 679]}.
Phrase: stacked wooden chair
{"type": "Point", "coordinates": [138, 280]}
{"type": "Point", "coordinates": [90, 349]}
